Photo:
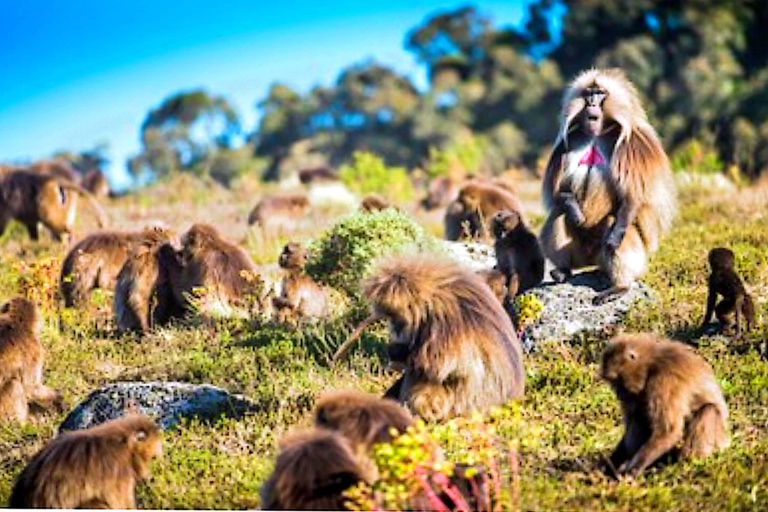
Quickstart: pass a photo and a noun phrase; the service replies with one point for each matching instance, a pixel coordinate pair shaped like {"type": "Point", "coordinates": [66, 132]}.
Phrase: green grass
{"type": "Point", "coordinates": [570, 419]}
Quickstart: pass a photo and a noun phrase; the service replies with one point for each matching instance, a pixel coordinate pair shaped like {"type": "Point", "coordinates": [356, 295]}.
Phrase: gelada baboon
{"type": "Point", "coordinates": [518, 254]}
{"type": "Point", "coordinates": [457, 344]}
{"type": "Point", "coordinates": [497, 282]}
{"type": "Point", "coordinates": [278, 210]}
{"type": "Point", "coordinates": [314, 175]}
{"type": "Point", "coordinates": [473, 209]}
{"type": "Point", "coordinates": [57, 168]}
{"type": "Point", "coordinates": [374, 203]}
{"type": "Point", "coordinates": [21, 363]}
{"type": "Point", "coordinates": [301, 296]}
{"type": "Point", "coordinates": [96, 183]}
{"type": "Point", "coordinates": [668, 395]}
{"type": "Point", "coordinates": [32, 199]}
{"type": "Point", "coordinates": [608, 188]}
{"type": "Point", "coordinates": [312, 471]}
{"type": "Point", "coordinates": [143, 296]}
{"type": "Point", "coordinates": [97, 467]}
{"type": "Point", "coordinates": [95, 261]}
{"type": "Point", "coordinates": [364, 419]}
{"type": "Point", "coordinates": [736, 302]}
{"type": "Point", "coordinates": [440, 192]}
{"type": "Point", "coordinates": [221, 269]}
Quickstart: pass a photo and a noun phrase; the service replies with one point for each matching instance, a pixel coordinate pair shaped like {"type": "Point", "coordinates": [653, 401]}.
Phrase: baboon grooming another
{"type": "Point", "coordinates": [458, 345]}
{"type": "Point", "coordinates": [668, 395]}
{"type": "Point", "coordinates": [32, 198]}
{"type": "Point", "coordinates": [208, 262]}
{"type": "Point", "coordinates": [21, 362]}
{"type": "Point", "coordinates": [312, 471]}
{"type": "Point", "coordinates": [95, 261]}
{"type": "Point", "coordinates": [518, 254]}
{"type": "Point", "coordinates": [97, 467]}
{"type": "Point", "coordinates": [143, 296]}
{"type": "Point", "coordinates": [301, 296]}
{"type": "Point", "coordinates": [608, 187]}
{"type": "Point", "coordinates": [736, 303]}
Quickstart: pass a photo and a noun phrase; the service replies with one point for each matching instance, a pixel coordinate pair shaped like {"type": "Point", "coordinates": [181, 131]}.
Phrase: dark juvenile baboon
{"type": "Point", "coordinates": [312, 471]}
{"type": "Point", "coordinates": [96, 183]}
{"type": "Point", "coordinates": [373, 203]}
{"type": "Point", "coordinates": [736, 302]}
{"type": "Point", "coordinates": [32, 198]}
{"type": "Point", "coordinates": [143, 296]}
{"type": "Point", "coordinates": [313, 175]}
{"type": "Point", "coordinates": [518, 254]}
{"type": "Point", "coordinates": [668, 395]}
{"type": "Point", "coordinates": [207, 262]}
{"type": "Point", "coordinates": [456, 341]}
{"type": "Point", "coordinates": [97, 467]}
{"type": "Point", "coordinates": [301, 296]}
{"type": "Point", "coordinates": [21, 363]}
{"type": "Point", "coordinates": [608, 187]}
{"type": "Point", "coordinates": [459, 223]}
{"type": "Point", "coordinates": [497, 282]}
{"type": "Point", "coordinates": [95, 261]}
{"type": "Point", "coordinates": [479, 202]}
{"type": "Point", "coordinates": [277, 210]}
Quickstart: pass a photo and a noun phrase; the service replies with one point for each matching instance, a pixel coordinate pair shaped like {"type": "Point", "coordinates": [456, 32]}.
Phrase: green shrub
{"type": "Point", "coordinates": [694, 156]}
{"type": "Point", "coordinates": [459, 157]}
{"type": "Point", "coordinates": [345, 253]}
{"type": "Point", "coordinates": [369, 174]}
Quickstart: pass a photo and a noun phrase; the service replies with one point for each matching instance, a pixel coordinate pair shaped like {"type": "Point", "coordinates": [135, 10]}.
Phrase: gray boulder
{"type": "Point", "coordinates": [166, 402]}
{"type": "Point", "coordinates": [568, 310]}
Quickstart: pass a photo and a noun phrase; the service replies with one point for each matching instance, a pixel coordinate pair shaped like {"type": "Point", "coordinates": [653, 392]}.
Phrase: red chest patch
{"type": "Point", "coordinates": [593, 156]}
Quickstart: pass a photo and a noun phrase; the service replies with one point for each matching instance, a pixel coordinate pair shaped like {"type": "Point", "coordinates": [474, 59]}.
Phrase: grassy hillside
{"type": "Point", "coordinates": [569, 419]}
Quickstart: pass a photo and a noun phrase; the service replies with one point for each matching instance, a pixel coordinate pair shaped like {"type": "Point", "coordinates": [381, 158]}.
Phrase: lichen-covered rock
{"type": "Point", "coordinates": [166, 402]}
{"type": "Point", "coordinates": [568, 310]}
{"type": "Point", "coordinates": [471, 254]}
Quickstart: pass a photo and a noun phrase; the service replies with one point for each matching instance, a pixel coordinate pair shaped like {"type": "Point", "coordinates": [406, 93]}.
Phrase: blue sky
{"type": "Point", "coordinates": [76, 73]}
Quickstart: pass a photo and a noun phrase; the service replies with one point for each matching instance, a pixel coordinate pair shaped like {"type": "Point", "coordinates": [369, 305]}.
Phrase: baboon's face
{"type": "Point", "coordinates": [622, 367]}
{"type": "Point", "coordinates": [469, 199]}
{"type": "Point", "coordinates": [293, 256]}
{"type": "Point", "coordinates": [505, 222]}
{"type": "Point", "coordinates": [593, 117]}
{"type": "Point", "coordinates": [721, 259]}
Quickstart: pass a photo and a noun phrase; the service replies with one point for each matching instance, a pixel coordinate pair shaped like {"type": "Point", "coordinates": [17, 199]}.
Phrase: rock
{"type": "Point", "coordinates": [166, 402]}
{"type": "Point", "coordinates": [471, 254]}
{"type": "Point", "coordinates": [568, 310]}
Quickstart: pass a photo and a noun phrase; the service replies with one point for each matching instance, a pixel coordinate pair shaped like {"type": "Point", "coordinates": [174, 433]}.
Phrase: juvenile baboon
{"type": "Point", "coordinates": [458, 222]}
{"type": "Point", "coordinates": [277, 210]}
{"type": "Point", "coordinates": [96, 183]}
{"type": "Point", "coordinates": [497, 282]}
{"type": "Point", "coordinates": [736, 302]}
{"type": "Point", "coordinates": [608, 187]}
{"type": "Point", "coordinates": [668, 395]}
{"type": "Point", "coordinates": [207, 262]}
{"type": "Point", "coordinates": [301, 296]}
{"type": "Point", "coordinates": [21, 363]}
{"type": "Point", "coordinates": [143, 296]}
{"type": "Point", "coordinates": [312, 471]}
{"type": "Point", "coordinates": [95, 261]}
{"type": "Point", "coordinates": [518, 254]}
{"type": "Point", "coordinates": [32, 198]}
{"type": "Point", "coordinates": [97, 467]}
{"type": "Point", "coordinates": [457, 343]}
{"type": "Point", "coordinates": [373, 203]}
{"type": "Point", "coordinates": [480, 201]}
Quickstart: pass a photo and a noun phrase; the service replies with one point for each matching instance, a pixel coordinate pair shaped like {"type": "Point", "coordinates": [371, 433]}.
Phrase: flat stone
{"type": "Point", "coordinates": [473, 255]}
{"type": "Point", "coordinates": [166, 402]}
{"type": "Point", "coordinates": [568, 310]}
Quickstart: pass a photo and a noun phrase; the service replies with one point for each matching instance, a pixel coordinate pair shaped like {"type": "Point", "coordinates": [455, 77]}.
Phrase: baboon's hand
{"type": "Point", "coordinates": [570, 207]}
